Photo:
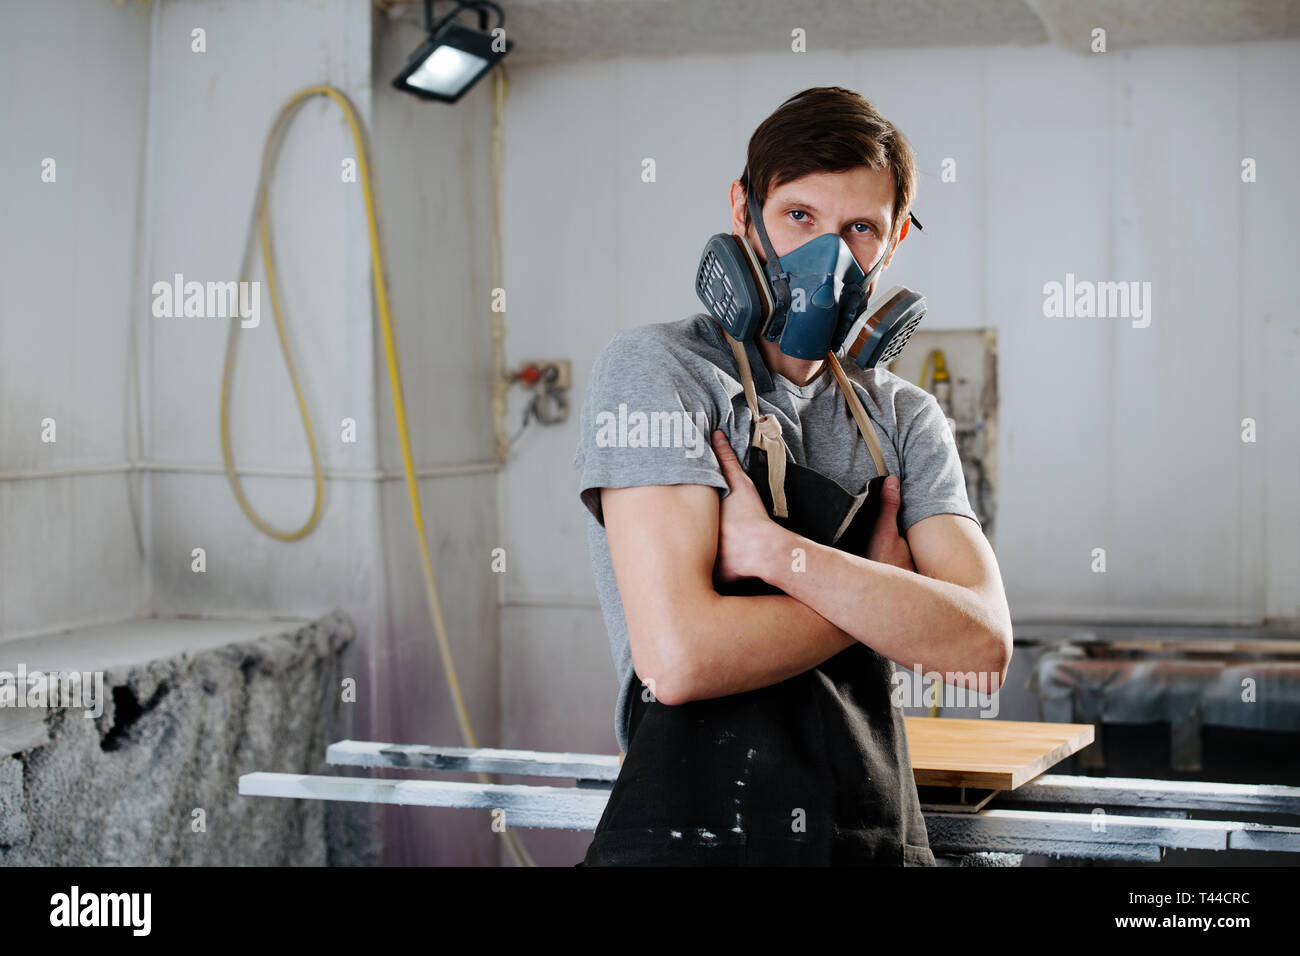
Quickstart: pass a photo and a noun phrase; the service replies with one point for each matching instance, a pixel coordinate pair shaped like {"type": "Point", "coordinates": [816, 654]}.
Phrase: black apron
{"type": "Point", "coordinates": [812, 771]}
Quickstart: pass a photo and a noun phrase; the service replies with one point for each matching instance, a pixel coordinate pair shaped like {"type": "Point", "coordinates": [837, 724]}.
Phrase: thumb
{"type": "Point", "coordinates": [891, 495]}
{"type": "Point", "coordinates": [726, 455]}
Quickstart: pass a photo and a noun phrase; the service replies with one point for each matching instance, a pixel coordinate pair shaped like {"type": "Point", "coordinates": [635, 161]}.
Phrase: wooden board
{"type": "Point", "coordinates": [989, 754]}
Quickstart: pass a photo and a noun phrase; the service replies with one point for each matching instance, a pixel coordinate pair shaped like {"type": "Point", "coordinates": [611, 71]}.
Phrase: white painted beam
{"type": "Point", "coordinates": [562, 808]}
{"type": "Point", "coordinates": [532, 763]}
{"type": "Point", "coordinates": [1172, 794]}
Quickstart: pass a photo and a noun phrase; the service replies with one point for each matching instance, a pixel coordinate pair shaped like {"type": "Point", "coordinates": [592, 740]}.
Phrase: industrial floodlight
{"type": "Point", "coordinates": [454, 56]}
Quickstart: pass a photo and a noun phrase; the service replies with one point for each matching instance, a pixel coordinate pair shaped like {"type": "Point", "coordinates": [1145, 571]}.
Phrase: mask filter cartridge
{"type": "Point", "coordinates": [879, 335]}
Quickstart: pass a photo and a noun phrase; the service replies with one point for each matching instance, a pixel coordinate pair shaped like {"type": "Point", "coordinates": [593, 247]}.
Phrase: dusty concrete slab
{"type": "Point", "coordinates": [189, 706]}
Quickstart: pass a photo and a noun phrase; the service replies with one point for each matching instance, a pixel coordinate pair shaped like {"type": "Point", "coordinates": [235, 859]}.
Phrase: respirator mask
{"type": "Point", "coordinates": [811, 301]}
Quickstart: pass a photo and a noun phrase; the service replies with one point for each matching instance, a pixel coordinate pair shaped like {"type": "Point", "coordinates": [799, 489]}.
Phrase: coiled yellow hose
{"type": "Point", "coordinates": [269, 153]}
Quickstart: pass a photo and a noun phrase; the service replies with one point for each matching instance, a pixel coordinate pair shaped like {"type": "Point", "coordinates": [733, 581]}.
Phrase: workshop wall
{"type": "Point", "coordinates": [158, 143]}
{"type": "Point", "coordinates": [71, 168]}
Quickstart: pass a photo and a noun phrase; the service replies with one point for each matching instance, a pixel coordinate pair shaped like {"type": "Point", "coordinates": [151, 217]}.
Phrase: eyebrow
{"type": "Point", "coordinates": [793, 201]}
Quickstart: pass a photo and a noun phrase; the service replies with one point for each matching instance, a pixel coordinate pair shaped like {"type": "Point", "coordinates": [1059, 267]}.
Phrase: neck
{"type": "Point", "coordinates": [799, 371]}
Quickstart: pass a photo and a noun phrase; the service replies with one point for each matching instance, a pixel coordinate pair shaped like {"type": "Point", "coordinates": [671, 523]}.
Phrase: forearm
{"type": "Point", "coordinates": [740, 643]}
{"type": "Point", "coordinates": [903, 615]}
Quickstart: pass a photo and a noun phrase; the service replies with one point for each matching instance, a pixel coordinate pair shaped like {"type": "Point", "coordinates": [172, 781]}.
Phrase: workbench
{"type": "Point", "coordinates": [983, 787]}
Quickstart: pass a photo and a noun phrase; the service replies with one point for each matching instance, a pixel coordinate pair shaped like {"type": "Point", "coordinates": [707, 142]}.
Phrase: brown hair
{"type": "Point", "coordinates": [828, 129]}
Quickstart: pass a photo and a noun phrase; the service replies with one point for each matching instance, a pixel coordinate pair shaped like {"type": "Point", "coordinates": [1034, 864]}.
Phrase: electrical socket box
{"type": "Point", "coordinates": [969, 400]}
{"type": "Point", "coordinates": [564, 371]}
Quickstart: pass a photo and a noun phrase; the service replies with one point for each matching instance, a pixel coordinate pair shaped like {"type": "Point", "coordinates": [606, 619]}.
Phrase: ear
{"type": "Point", "coordinates": [739, 227]}
{"type": "Point", "coordinates": [738, 200]}
{"type": "Point", "coordinates": [902, 234]}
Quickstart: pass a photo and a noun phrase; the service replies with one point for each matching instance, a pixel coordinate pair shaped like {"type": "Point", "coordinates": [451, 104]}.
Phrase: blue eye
{"type": "Point", "coordinates": [800, 211]}
{"type": "Point", "coordinates": [866, 224]}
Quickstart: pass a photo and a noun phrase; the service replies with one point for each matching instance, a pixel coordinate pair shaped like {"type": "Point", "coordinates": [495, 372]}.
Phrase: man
{"type": "Point", "coordinates": [752, 626]}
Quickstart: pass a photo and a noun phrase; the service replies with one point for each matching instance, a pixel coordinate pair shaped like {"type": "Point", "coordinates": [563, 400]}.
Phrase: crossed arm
{"type": "Point", "coordinates": [667, 542]}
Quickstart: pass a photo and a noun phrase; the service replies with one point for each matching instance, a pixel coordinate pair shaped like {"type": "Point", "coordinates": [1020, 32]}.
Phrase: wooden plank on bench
{"type": "Point", "coordinates": [988, 754]}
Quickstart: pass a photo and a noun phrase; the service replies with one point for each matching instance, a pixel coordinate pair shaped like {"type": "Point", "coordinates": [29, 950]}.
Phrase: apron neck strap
{"type": "Point", "coordinates": [767, 431]}
{"type": "Point", "coordinates": [746, 374]}
{"type": "Point", "coordinates": [859, 414]}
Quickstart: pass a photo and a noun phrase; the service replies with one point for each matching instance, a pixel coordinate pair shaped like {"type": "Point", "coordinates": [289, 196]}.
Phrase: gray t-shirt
{"type": "Point", "coordinates": [656, 394]}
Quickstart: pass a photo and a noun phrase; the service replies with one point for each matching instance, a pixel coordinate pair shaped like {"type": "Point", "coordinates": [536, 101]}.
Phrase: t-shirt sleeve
{"type": "Point", "coordinates": [932, 479]}
{"type": "Point", "coordinates": [646, 419]}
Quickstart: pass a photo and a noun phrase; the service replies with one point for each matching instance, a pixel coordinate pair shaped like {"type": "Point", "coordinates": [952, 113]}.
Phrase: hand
{"type": "Point", "coordinates": [743, 521]}
{"type": "Point", "coordinates": [886, 544]}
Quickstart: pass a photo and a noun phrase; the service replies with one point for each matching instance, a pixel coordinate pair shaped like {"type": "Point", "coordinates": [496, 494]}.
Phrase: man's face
{"type": "Point", "coordinates": [855, 205]}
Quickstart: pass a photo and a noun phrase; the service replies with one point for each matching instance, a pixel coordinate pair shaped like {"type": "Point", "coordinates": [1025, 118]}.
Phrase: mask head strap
{"type": "Point", "coordinates": [780, 278]}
